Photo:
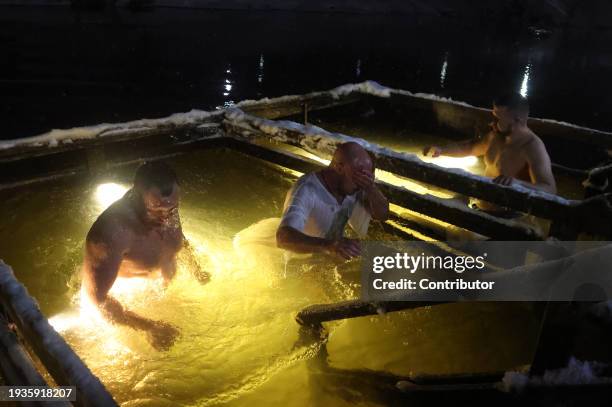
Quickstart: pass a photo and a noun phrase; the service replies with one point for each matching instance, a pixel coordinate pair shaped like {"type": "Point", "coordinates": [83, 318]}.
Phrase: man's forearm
{"type": "Point", "coordinates": [114, 312]}
{"type": "Point", "coordinates": [298, 242]}
{"type": "Point", "coordinates": [459, 149]}
{"type": "Point", "coordinates": [168, 270]}
{"type": "Point", "coordinates": [378, 203]}
{"type": "Point", "coordinates": [189, 255]}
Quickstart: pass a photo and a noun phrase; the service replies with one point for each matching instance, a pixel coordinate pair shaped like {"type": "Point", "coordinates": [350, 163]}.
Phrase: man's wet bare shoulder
{"type": "Point", "coordinates": [534, 147]}
{"type": "Point", "coordinates": [539, 164]}
{"type": "Point", "coordinates": [110, 238]}
{"type": "Point", "coordinates": [117, 224]}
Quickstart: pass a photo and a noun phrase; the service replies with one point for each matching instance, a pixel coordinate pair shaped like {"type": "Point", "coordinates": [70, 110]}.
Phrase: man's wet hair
{"type": "Point", "coordinates": [513, 101]}
{"type": "Point", "coordinates": [155, 174]}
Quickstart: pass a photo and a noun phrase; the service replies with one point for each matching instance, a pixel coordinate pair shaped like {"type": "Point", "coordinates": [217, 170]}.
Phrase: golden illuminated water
{"type": "Point", "coordinates": [239, 343]}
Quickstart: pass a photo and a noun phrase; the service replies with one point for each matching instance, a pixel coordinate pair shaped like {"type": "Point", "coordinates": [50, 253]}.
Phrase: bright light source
{"type": "Point", "coordinates": [108, 193]}
{"type": "Point", "coordinates": [64, 322]}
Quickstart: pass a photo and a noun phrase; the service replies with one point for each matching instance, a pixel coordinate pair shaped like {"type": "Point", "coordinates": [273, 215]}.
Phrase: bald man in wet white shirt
{"type": "Point", "coordinates": [320, 204]}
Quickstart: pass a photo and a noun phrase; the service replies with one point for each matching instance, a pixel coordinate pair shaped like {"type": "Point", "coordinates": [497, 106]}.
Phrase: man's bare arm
{"type": "Point", "coordinates": [377, 202]}
{"type": "Point", "coordinates": [168, 269]}
{"type": "Point", "coordinates": [189, 255]}
{"type": "Point", "coordinates": [103, 255]}
{"type": "Point", "coordinates": [540, 168]}
{"type": "Point", "coordinates": [476, 147]}
{"type": "Point", "coordinates": [293, 240]}
{"type": "Point", "coordinates": [102, 260]}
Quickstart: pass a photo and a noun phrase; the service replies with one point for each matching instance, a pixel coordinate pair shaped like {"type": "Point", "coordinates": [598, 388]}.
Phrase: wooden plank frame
{"type": "Point", "coordinates": [593, 215]}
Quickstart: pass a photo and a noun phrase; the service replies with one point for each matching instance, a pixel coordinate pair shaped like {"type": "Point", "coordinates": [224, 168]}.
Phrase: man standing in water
{"type": "Point", "coordinates": [512, 152]}
{"type": "Point", "coordinates": [320, 204]}
{"type": "Point", "coordinates": [139, 235]}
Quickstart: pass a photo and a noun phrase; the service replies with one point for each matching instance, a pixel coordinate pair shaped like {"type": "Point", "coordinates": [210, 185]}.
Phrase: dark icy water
{"type": "Point", "coordinates": [62, 68]}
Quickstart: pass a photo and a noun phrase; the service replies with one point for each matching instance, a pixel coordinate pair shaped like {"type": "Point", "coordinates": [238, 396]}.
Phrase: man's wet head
{"type": "Point", "coordinates": [351, 160]}
{"type": "Point", "coordinates": [157, 186]}
{"type": "Point", "coordinates": [510, 109]}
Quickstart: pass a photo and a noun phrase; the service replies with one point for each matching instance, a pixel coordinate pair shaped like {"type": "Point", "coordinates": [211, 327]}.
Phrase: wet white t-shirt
{"type": "Point", "coordinates": [314, 211]}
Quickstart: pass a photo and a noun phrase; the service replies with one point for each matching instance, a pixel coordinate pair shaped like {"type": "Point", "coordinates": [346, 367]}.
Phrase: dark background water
{"type": "Point", "coordinates": [63, 68]}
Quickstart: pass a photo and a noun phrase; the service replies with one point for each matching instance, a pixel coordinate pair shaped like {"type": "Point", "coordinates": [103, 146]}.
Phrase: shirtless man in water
{"type": "Point", "coordinates": [139, 235]}
{"type": "Point", "coordinates": [512, 153]}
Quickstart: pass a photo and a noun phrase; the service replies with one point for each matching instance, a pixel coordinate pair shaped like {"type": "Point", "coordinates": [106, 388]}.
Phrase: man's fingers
{"type": "Point", "coordinates": [431, 151]}
{"type": "Point", "coordinates": [355, 244]}
{"type": "Point", "coordinates": [348, 252]}
{"type": "Point", "coordinates": [366, 174]}
{"type": "Point", "coordinates": [202, 276]}
{"type": "Point", "coordinates": [353, 251]}
{"type": "Point", "coordinates": [348, 248]}
{"type": "Point", "coordinates": [363, 177]}
{"type": "Point", "coordinates": [344, 254]}
{"type": "Point", "coordinates": [353, 248]}
{"type": "Point", "coordinates": [503, 180]}
{"type": "Point", "coordinates": [363, 181]}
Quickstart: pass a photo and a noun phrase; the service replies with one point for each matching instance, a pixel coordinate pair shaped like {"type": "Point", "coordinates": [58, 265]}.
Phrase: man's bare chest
{"type": "Point", "coordinates": [150, 248]}
{"type": "Point", "coordinates": [501, 159]}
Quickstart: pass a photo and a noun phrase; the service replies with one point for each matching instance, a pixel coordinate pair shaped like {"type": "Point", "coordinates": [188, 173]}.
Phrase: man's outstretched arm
{"type": "Point", "coordinates": [189, 255]}
{"type": "Point", "coordinates": [476, 146]}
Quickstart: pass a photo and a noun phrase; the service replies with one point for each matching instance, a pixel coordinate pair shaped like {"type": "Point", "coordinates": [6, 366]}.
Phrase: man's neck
{"type": "Point", "coordinates": [139, 209]}
{"type": "Point", "coordinates": [519, 133]}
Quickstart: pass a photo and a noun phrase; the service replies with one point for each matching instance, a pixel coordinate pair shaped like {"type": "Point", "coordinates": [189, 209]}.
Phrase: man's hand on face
{"type": "Point", "coordinates": [346, 248]}
{"type": "Point", "coordinates": [364, 180]}
{"type": "Point", "coordinates": [504, 180]}
{"type": "Point", "coordinates": [432, 151]}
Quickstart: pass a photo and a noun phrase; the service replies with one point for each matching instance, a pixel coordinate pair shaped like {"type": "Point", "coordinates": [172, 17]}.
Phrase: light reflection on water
{"type": "Point", "coordinates": [239, 343]}
{"type": "Point", "coordinates": [443, 71]}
